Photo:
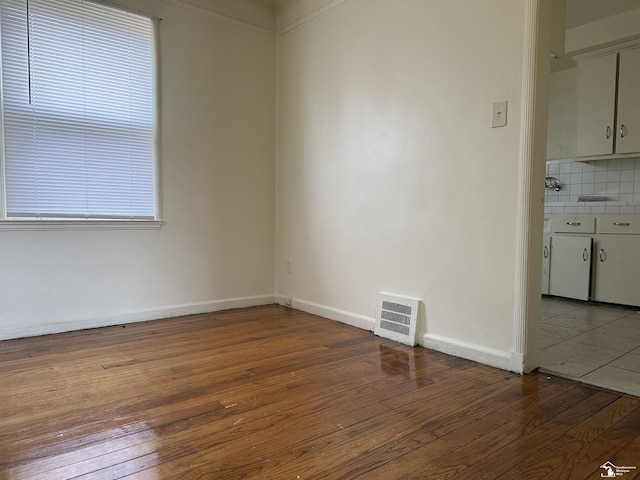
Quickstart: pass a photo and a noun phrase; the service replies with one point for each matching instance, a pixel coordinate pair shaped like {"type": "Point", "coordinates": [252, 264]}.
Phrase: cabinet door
{"type": "Point", "coordinates": [570, 271]}
{"type": "Point", "coordinates": [596, 105]}
{"type": "Point", "coordinates": [617, 274]}
{"type": "Point", "coordinates": [561, 127]}
{"type": "Point", "coordinates": [628, 125]}
{"type": "Point", "coordinates": [546, 251]}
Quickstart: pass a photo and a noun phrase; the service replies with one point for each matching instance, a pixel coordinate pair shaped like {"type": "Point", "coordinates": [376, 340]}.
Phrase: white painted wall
{"type": "Point", "coordinates": [608, 31]}
{"type": "Point", "coordinates": [289, 12]}
{"type": "Point", "coordinates": [217, 191]}
{"type": "Point", "coordinates": [259, 13]}
{"type": "Point", "coordinates": [389, 177]}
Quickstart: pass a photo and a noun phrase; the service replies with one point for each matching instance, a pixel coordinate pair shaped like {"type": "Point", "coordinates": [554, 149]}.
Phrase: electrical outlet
{"type": "Point", "coordinates": [286, 301]}
{"type": "Point", "coordinates": [289, 266]}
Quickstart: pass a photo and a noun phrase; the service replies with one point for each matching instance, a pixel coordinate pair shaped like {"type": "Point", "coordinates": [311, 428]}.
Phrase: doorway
{"type": "Point", "coordinates": [595, 343]}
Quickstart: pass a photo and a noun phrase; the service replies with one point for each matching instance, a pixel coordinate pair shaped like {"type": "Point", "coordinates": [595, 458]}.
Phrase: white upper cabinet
{"type": "Point", "coordinates": [609, 104]}
{"type": "Point", "coordinates": [561, 131]}
{"type": "Point", "coordinates": [596, 105]}
{"type": "Point", "coordinates": [628, 127]}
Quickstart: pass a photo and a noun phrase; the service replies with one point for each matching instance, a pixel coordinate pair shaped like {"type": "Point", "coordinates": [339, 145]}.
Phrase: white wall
{"type": "Point", "coordinates": [289, 12]}
{"type": "Point", "coordinates": [389, 177]}
{"type": "Point", "coordinates": [259, 13]}
{"type": "Point", "coordinates": [217, 192]}
{"type": "Point", "coordinates": [608, 31]}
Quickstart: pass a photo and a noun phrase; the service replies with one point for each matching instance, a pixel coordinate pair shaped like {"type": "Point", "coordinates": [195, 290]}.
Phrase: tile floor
{"type": "Point", "coordinates": [595, 344]}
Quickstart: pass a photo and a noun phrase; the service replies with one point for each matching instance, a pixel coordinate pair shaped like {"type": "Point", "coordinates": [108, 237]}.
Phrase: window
{"type": "Point", "coordinates": [78, 111]}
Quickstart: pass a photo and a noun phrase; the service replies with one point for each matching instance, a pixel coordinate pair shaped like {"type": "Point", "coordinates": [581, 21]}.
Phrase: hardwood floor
{"type": "Point", "coordinates": [272, 393]}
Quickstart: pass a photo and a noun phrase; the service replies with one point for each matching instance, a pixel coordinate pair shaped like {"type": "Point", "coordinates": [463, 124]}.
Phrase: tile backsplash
{"type": "Point", "coordinates": [617, 179]}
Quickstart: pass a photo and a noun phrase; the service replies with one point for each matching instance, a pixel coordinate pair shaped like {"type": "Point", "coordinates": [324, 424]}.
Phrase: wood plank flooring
{"type": "Point", "coordinates": [273, 393]}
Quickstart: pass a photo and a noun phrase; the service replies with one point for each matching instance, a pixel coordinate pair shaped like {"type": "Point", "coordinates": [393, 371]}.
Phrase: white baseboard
{"type": "Point", "coordinates": [488, 356]}
{"type": "Point", "coordinates": [471, 351]}
{"type": "Point", "coordinates": [342, 316]}
{"type": "Point", "coordinates": [19, 331]}
{"type": "Point", "coordinates": [478, 353]}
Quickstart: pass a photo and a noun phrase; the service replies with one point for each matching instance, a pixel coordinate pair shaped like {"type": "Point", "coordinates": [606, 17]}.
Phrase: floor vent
{"type": "Point", "coordinates": [396, 318]}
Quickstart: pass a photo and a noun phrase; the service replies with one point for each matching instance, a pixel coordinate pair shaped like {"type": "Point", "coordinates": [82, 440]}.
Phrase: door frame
{"type": "Point", "coordinates": [531, 167]}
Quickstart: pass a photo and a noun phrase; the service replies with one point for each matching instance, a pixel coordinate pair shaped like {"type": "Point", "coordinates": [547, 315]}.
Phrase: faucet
{"type": "Point", "coordinates": [552, 182]}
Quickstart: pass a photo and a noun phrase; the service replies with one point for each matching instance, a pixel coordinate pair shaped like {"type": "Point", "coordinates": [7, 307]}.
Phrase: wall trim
{"type": "Point", "coordinates": [342, 316]}
{"type": "Point", "coordinates": [523, 344]}
{"type": "Point", "coordinates": [471, 351]}
{"type": "Point", "coordinates": [20, 331]}
{"type": "Point", "coordinates": [511, 361]}
{"type": "Point", "coordinates": [309, 17]}
{"type": "Point", "coordinates": [598, 52]}
{"type": "Point", "coordinates": [42, 225]}
{"type": "Point", "coordinates": [219, 16]}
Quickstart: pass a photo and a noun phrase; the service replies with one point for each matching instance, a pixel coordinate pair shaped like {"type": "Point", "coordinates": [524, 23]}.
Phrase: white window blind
{"type": "Point", "coordinates": [78, 87]}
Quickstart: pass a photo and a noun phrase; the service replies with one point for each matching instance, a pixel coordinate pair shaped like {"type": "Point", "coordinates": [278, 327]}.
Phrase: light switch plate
{"type": "Point", "coordinates": [499, 114]}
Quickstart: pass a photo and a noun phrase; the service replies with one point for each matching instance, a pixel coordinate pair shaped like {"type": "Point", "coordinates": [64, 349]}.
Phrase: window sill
{"type": "Point", "coordinates": [35, 225]}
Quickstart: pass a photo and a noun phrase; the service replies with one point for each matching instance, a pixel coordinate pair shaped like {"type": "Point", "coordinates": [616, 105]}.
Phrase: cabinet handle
{"type": "Point", "coordinates": [574, 224]}
{"type": "Point", "coordinates": [545, 252]}
{"type": "Point", "coordinates": [608, 132]}
{"type": "Point", "coordinates": [602, 255]}
{"type": "Point", "coordinates": [585, 255]}
{"type": "Point", "coordinates": [621, 224]}
{"type": "Point", "coordinates": [623, 129]}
